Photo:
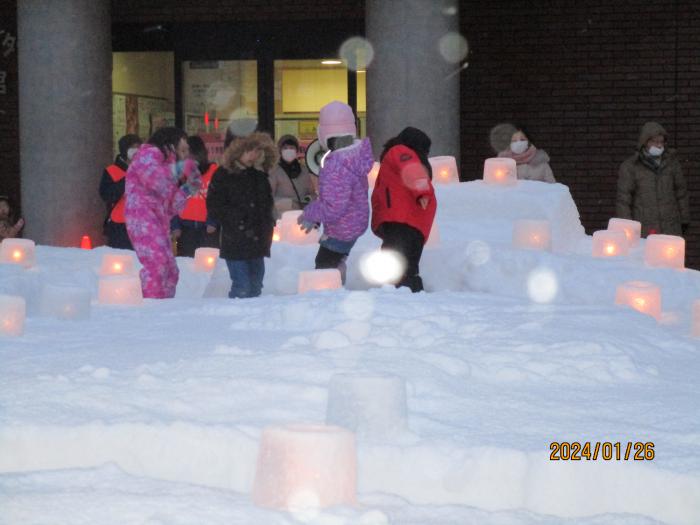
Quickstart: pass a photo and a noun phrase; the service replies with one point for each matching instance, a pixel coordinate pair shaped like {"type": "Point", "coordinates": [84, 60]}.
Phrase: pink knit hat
{"type": "Point", "coordinates": [336, 119]}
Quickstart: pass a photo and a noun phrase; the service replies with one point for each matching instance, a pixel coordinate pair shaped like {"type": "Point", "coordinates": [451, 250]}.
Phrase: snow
{"type": "Point", "coordinates": [153, 414]}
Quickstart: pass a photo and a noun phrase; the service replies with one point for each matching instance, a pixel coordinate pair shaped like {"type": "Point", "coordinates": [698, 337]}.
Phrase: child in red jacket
{"type": "Point", "coordinates": [403, 201]}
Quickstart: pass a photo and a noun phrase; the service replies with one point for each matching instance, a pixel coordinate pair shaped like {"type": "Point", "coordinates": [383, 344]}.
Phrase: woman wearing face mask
{"type": "Point", "coordinates": [532, 163]}
{"type": "Point", "coordinates": [112, 193]}
{"type": "Point", "coordinates": [159, 180]}
{"type": "Point", "coordinates": [291, 183]}
{"type": "Point", "coordinates": [651, 187]}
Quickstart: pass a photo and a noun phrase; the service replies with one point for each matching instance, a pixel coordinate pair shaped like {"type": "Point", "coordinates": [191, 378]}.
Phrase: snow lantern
{"type": "Point", "coordinates": [444, 170]}
{"type": "Point", "coordinates": [666, 251]}
{"type": "Point", "coordinates": [283, 204]}
{"type": "Point", "coordinates": [696, 318]}
{"type": "Point", "coordinates": [500, 171]}
{"type": "Point", "coordinates": [18, 251]}
{"type": "Point", "coordinates": [632, 229]}
{"type": "Point", "coordinates": [13, 310]}
{"type": "Point", "coordinates": [305, 467]}
{"type": "Point", "coordinates": [372, 175]}
{"type": "Point", "coordinates": [532, 234]}
{"type": "Point", "coordinates": [370, 405]}
{"type": "Point", "coordinates": [276, 237]}
{"type": "Point", "coordinates": [643, 296]}
{"type": "Point", "coordinates": [608, 243]}
{"type": "Point", "coordinates": [117, 264]}
{"type": "Point", "coordinates": [314, 280]}
{"type": "Point", "coordinates": [434, 236]}
{"type": "Point", "coordinates": [120, 289]}
{"type": "Point", "coordinates": [205, 259]}
{"type": "Point", "coordinates": [293, 233]}
{"type": "Point", "coordinates": [65, 302]}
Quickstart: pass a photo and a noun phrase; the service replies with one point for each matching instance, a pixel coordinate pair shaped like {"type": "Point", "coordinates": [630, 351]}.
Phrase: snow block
{"type": "Point", "coordinates": [373, 406]}
{"type": "Point", "coordinates": [292, 233]}
{"type": "Point", "coordinates": [117, 264]}
{"type": "Point", "coordinates": [65, 302]}
{"type": "Point", "coordinates": [305, 467]}
{"type": "Point", "coordinates": [18, 251]}
{"type": "Point", "coordinates": [315, 280]}
{"type": "Point", "coordinates": [13, 311]}
{"type": "Point", "coordinates": [120, 290]}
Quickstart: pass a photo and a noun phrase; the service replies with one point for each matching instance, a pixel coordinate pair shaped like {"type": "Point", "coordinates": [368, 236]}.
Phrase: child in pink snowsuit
{"type": "Point", "coordinates": [153, 196]}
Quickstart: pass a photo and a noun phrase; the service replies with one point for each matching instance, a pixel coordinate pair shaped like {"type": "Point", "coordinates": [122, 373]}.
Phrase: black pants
{"type": "Point", "coordinates": [326, 259]}
{"type": "Point", "coordinates": [408, 241]}
{"type": "Point", "coordinates": [194, 235]}
{"type": "Point", "coordinates": [117, 236]}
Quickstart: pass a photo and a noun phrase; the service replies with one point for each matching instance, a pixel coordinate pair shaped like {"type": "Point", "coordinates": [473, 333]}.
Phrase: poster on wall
{"type": "Point", "coordinates": [148, 108]}
{"type": "Point", "coordinates": [118, 120]}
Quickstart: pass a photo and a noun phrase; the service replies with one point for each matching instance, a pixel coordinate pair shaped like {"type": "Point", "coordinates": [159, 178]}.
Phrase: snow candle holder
{"type": "Point", "coordinates": [444, 170]}
{"type": "Point", "coordinates": [696, 318]}
{"type": "Point", "coordinates": [372, 175]}
{"type": "Point", "coordinates": [374, 406]}
{"type": "Point", "coordinates": [65, 302]}
{"type": "Point", "coordinates": [276, 237]}
{"type": "Point", "coordinates": [293, 233]}
{"type": "Point", "coordinates": [117, 264]}
{"type": "Point", "coordinates": [643, 296]}
{"type": "Point", "coordinates": [315, 280]}
{"type": "Point", "coordinates": [205, 259]}
{"type": "Point", "coordinates": [500, 171]}
{"type": "Point", "coordinates": [532, 234]}
{"type": "Point", "coordinates": [608, 243]}
{"type": "Point", "coordinates": [632, 229]}
{"type": "Point", "coordinates": [305, 467]}
{"type": "Point", "coordinates": [13, 311]}
{"type": "Point", "coordinates": [120, 290]}
{"type": "Point", "coordinates": [18, 251]}
{"type": "Point", "coordinates": [665, 251]}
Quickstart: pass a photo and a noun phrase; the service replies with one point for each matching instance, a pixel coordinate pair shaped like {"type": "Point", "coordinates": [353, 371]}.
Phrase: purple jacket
{"type": "Point", "coordinates": [342, 205]}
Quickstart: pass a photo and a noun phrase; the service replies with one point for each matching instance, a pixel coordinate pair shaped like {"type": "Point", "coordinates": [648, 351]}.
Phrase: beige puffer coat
{"type": "Point", "coordinates": [656, 196]}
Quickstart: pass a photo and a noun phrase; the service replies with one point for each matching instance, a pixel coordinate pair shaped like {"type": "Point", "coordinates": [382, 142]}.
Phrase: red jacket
{"type": "Point", "coordinates": [402, 180]}
{"type": "Point", "coordinates": [196, 207]}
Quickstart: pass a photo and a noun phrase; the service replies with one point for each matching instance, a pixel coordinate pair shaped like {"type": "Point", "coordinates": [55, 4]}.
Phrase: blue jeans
{"type": "Point", "coordinates": [246, 277]}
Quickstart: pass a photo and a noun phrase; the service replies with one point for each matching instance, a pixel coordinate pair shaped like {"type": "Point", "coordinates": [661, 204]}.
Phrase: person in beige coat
{"type": "Point", "coordinates": [651, 187]}
{"type": "Point", "coordinates": [532, 163]}
{"type": "Point", "coordinates": [292, 186]}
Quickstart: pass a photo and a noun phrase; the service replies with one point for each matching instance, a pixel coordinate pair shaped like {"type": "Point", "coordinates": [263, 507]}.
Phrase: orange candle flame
{"type": "Point", "coordinates": [610, 249]}
{"type": "Point", "coordinates": [117, 267]}
{"type": "Point", "coordinates": [17, 255]}
{"type": "Point", "coordinates": [210, 261]}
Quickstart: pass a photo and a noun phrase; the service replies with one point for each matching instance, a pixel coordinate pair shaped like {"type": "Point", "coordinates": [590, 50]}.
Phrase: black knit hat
{"type": "Point", "coordinates": [126, 142]}
{"type": "Point", "coordinates": [287, 140]}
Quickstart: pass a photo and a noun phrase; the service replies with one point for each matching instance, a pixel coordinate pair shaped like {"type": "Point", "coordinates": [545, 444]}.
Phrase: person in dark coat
{"type": "Point", "coordinates": [192, 228]}
{"type": "Point", "coordinates": [403, 201]}
{"type": "Point", "coordinates": [112, 187]}
{"type": "Point", "coordinates": [651, 187]}
{"type": "Point", "coordinates": [240, 201]}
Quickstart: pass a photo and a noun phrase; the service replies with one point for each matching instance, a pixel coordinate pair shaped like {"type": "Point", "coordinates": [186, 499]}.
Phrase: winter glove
{"type": "Point", "coordinates": [185, 169]}
{"type": "Point", "coordinates": [307, 226]}
{"type": "Point", "coordinates": [684, 228]}
{"type": "Point", "coordinates": [192, 186]}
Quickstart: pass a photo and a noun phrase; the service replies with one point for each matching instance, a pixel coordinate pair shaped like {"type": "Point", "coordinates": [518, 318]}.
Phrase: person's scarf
{"type": "Point", "coordinates": [651, 162]}
{"type": "Point", "coordinates": [520, 158]}
{"type": "Point", "coordinates": [292, 169]}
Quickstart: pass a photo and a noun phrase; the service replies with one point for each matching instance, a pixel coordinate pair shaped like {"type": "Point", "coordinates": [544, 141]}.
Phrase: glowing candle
{"type": "Point", "coordinates": [315, 280]}
{"type": "Point", "coordinates": [608, 243]}
{"type": "Point", "coordinates": [642, 296]}
{"type": "Point", "coordinates": [13, 311]}
{"type": "Point", "coordinates": [372, 175]}
{"type": "Point", "coordinates": [665, 251]}
{"type": "Point", "coordinates": [444, 170]}
{"type": "Point", "coordinates": [293, 233]}
{"type": "Point", "coordinates": [631, 228]}
{"type": "Point", "coordinates": [532, 234]}
{"type": "Point", "coordinates": [117, 264]}
{"type": "Point", "coordinates": [500, 171]}
{"type": "Point", "coordinates": [120, 290]}
{"type": "Point", "coordinates": [205, 259]}
{"type": "Point", "coordinates": [65, 302]}
{"type": "Point", "coordinates": [276, 237]}
{"type": "Point", "coordinates": [18, 251]}
{"type": "Point", "coordinates": [305, 467]}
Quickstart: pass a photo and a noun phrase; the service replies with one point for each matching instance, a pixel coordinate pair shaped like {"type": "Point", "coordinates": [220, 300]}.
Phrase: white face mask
{"type": "Point", "coordinates": [289, 155]}
{"type": "Point", "coordinates": [519, 146]}
{"type": "Point", "coordinates": [656, 151]}
{"type": "Point", "coordinates": [130, 153]}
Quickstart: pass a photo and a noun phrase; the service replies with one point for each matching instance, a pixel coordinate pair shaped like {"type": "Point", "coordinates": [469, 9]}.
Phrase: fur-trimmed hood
{"type": "Point", "coordinates": [253, 141]}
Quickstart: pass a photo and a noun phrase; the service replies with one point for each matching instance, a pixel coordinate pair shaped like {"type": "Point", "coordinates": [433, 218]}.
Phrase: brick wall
{"type": "Point", "coordinates": [583, 76]}
{"type": "Point", "coordinates": [9, 119]}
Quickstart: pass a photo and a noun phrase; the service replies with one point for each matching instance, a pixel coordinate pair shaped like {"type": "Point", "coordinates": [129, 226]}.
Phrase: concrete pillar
{"type": "Point", "coordinates": [409, 81]}
{"type": "Point", "coordinates": [65, 116]}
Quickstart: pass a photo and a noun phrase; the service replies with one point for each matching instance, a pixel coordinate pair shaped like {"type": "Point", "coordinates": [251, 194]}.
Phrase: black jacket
{"type": "Point", "coordinates": [111, 191]}
{"type": "Point", "coordinates": [241, 201]}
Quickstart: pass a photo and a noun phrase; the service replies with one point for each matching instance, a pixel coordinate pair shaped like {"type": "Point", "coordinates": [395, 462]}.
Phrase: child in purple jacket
{"type": "Point", "coordinates": [342, 205]}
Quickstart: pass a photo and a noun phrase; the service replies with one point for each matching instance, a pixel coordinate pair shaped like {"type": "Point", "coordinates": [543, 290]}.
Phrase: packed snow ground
{"type": "Point", "coordinates": [152, 414]}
